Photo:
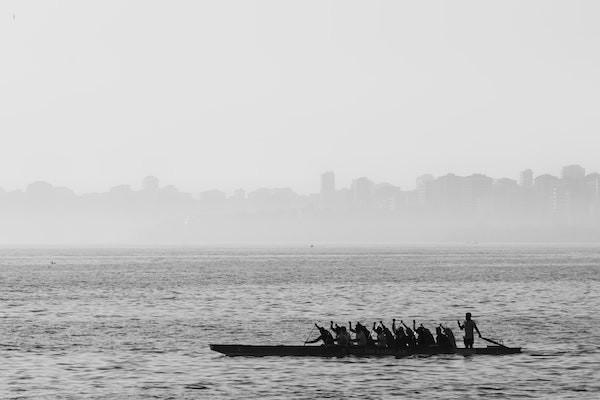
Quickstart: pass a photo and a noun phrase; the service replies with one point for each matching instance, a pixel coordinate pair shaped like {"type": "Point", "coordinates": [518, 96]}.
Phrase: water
{"type": "Point", "coordinates": [136, 323]}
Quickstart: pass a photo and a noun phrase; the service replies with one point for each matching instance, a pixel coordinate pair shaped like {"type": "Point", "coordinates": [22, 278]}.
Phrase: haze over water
{"type": "Point", "coordinates": [136, 323]}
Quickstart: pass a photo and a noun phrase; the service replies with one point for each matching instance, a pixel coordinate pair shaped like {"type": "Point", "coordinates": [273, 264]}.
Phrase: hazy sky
{"type": "Point", "coordinates": [227, 94]}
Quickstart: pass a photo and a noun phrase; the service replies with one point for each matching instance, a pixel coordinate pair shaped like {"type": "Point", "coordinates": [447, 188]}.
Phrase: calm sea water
{"type": "Point", "coordinates": [136, 323]}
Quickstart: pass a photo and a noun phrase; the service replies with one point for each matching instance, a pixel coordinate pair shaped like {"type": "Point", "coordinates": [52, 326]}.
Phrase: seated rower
{"type": "Point", "coordinates": [468, 326]}
{"type": "Point", "coordinates": [380, 342]}
{"type": "Point", "coordinates": [410, 336]}
{"type": "Point", "coordinates": [361, 337]}
{"type": "Point", "coordinates": [335, 329]}
{"type": "Point", "coordinates": [450, 335]}
{"type": "Point", "coordinates": [424, 336]}
{"type": "Point", "coordinates": [401, 338]}
{"type": "Point", "coordinates": [389, 336]}
{"type": "Point", "coordinates": [343, 339]}
{"type": "Point", "coordinates": [441, 339]}
{"type": "Point", "coordinates": [370, 340]}
{"type": "Point", "coordinates": [325, 336]}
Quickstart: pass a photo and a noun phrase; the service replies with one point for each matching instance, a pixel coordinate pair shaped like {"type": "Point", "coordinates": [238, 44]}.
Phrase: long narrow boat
{"type": "Point", "coordinates": [341, 351]}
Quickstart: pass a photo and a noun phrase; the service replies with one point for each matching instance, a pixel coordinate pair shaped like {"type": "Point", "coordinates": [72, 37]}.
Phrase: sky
{"type": "Point", "coordinates": [246, 94]}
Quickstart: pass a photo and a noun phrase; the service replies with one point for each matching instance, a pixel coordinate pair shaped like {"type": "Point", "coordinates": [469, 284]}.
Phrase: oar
{"type": "Point", "coordinates": [309, 333]}
{"type": "Point", "coordinates": [494, 342]}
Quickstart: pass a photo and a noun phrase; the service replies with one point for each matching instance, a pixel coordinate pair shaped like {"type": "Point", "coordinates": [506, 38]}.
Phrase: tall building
{"type": "Point", "coordinates": [423, 188]}
{"type": "Point", "coordinates": [327, 184]}
{"type": "Point", "coordinates": [526, 178]}
{"type": "Point", "coordinates": [546, 184]}
{"type": "Point", "coordinates": [573, 173]}
{"type": "Point", "coordinates": [477, 190]}
{"type": "Point", "coordinates": [362, 191]}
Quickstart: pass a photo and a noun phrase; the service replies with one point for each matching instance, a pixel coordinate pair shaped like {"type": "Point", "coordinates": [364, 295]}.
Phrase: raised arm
{"type": "Point", "coordinates": [394, 325]}
{"type": "Point", "coordinates": [402, 322]}
{"type": "Point", "coordinates": [459, 325]}
{"type": "Point", "coordinates": [350, 327]}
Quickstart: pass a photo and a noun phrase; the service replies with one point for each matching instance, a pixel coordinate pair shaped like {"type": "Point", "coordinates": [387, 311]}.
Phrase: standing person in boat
{"type": "Point", "coordinates": [468, 326]}
{"type": "Point", "coordinates": [325, 336]}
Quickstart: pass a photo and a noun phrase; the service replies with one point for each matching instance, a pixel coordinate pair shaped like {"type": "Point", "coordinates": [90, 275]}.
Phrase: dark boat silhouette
{"type": "Point", "coordinates": [341, 351]}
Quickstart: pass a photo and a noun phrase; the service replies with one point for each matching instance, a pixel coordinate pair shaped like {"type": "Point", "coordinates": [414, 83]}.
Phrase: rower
{"type": "Point", "coordinates": [468, 326]}
{"type": "Point", "coordinates": [335, 329]}
{"type": "Point", "coordinates": [343, 338]}
{"type": "Point", "coordinates": [325, 336]}
{"type": "Point", "coordinates": [410, 335]}
{"type": "Point", "coordinates": [361, 337]}
{"type": "Point", "coordinates": [389, 336]}
{"type": "Point", "coordinates": [401, 338]}
{"type": "Point", "coordinates": [441, 339]}
{"type": "Point", "coordinates": [425, 337]}
{"type": "Point", "coordinates": [380, 335]}
{"type": "Point", "coordinates": [450, 335]}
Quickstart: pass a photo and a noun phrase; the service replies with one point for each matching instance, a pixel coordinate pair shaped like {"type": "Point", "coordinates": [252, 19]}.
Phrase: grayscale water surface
{"type": "Point", "coordinates": [136, 323]}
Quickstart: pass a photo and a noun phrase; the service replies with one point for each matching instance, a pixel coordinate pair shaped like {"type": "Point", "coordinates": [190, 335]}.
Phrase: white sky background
{"type": "Point", "coordinates": [228, 94]}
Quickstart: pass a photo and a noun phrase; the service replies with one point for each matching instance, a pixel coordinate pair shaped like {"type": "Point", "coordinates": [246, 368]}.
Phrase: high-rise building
{"type": "Point", "coordinates": [327, 184]}
{"type": "Point", "coordinates": [362, 191]}
{"type": "Point", "coordinates": [526, 178]}
{"type": "Point", "coordinates": [546, 184]}
{"type": "Point", "coordinates": [573, 173]}
{"type": "Point", "coordinates": [423, 188]}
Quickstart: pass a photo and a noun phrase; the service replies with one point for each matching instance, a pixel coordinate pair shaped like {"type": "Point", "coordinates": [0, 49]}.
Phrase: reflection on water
{"type": "Point", "coordinates": [136, 323]}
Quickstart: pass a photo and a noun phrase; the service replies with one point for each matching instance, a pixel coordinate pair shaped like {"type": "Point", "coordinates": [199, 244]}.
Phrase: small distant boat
{"type": "Point", "coordinates": [342, 351]}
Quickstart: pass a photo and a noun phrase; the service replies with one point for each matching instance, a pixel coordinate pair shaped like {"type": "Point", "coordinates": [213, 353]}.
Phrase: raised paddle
{"type": "Point", "coordinates": [494, 342]}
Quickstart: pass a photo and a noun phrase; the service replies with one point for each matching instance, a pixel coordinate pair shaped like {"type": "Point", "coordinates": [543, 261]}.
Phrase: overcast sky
{"type": "Point", "coordinates": [228, 94]}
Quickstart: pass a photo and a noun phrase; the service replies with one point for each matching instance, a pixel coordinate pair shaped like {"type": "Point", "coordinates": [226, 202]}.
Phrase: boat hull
{"type": "Point", "coordinates": [341, 351]}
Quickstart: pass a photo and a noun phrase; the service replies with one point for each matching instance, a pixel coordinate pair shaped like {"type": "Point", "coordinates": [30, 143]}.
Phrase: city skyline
{"type": "Point", "coordinates": [443, 208]}
{"type": "Point", "coordinates": [318, 184]}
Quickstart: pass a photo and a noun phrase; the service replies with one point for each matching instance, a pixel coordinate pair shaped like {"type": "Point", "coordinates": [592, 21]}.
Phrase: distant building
{"type": "Point", "coordinates": [526, 178]}
{"type": "Point", "coordinates": [327, 184]}
{"type": "Point", "coordinates": [423, 184]}
{"type": "Point", "coordinates": [150, 184]}
{"type": "Point", "coordinates": [478, 185]}
{"type": "Point", "coordinates": [549, 195]}
{"type": "Point", "coordinates": [386, 196]}
{"type": "Point", "coordinates": [239, 194]}
{"type": "Point", "coordinates": [362, 191]}
{"type": "Point", "coordinates": [592, 182]}
{"type": "Point", "coordinates": [546, 183]}
{"type": "Point", "coordinates": [121, 190]}
{"type": "Point", "coordinates": [573, 173]}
